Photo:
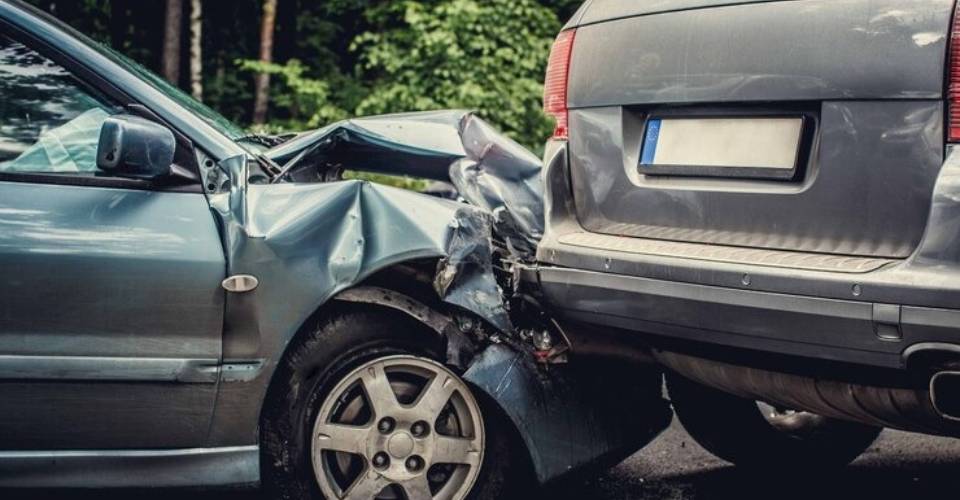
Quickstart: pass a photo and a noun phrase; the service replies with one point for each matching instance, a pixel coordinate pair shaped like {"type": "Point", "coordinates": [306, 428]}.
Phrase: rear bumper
{"type": "Point", "coordinates": [861, 333]}
{"type": "Point", "coordinates": [875, 314]}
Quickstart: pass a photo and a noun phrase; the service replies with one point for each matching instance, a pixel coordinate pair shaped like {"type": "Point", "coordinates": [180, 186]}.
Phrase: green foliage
{"type": "Point", "coordinates": [390, 180]}
{"type": "Point", "coordinates": [564, 9]}
{"type": "Point", "coordinates": [307, 101]}
{"type": "Point", "coordinates": [340, 58]}
{"type": "Point", "coordinates": [483, 55]}
{"type": "Point", "coordinates": [488, 56]}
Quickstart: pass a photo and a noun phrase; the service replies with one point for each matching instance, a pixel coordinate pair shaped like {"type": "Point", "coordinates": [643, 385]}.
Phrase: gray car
{"type": "Point", "coordinates": [182, 304]}
{"type": "Point", "coordinates": [764, 197]}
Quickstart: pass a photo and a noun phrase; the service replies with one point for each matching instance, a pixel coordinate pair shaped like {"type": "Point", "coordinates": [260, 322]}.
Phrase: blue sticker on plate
{"type": "Point", "coordinates": [650, 142]}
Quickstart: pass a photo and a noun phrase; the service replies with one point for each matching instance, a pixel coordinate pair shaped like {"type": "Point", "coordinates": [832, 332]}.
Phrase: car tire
{"type": "Point", "coordinates": [313, 369]}
{"type": "Point", "coordinates": [737, 430]}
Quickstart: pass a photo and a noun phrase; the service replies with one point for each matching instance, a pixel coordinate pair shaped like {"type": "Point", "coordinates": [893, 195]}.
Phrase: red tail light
{"type": "Point", "coordinates": [953, 82]}
{"type": "Point", "coordinates": [555, 85]}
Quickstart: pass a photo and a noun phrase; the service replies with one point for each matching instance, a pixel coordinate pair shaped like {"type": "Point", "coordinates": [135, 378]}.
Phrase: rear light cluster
{"type": "Point", "coordinates": [555, 85]}
{"type": "Point", "coordinates": [953, 81]}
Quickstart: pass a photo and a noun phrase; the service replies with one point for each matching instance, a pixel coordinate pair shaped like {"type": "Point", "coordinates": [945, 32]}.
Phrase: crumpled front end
{"type": "Point", "coordinates": [489, 170]}
{"type": "Point", "coordinates": [334, 235]}
{"type": "Point", "coordinates": [309, 237]}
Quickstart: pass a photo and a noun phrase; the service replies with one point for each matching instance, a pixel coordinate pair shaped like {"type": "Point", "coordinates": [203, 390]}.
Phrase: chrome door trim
{"type": "Point", "coordinates": [77, 368]}
{"type": "Point", "coordinates": [228, 466]}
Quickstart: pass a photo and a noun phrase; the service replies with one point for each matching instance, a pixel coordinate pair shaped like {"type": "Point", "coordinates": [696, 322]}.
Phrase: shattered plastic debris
{"type": "Point", "coordinates": [489, 170]}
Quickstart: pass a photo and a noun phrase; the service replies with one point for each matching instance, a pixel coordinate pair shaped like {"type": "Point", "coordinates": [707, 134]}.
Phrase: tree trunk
{"type": "Point", "coordinates": [266, 55]}
{"type": "Point", "coordinates": [171, 41]}
{"type": "Point", "coordinates": [196, 62]}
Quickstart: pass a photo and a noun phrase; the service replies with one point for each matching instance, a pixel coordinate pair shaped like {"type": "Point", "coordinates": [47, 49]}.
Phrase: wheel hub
{"type": "Point", "coordinates": [400, 445]}
{"type": "Point", "coordinates": [430, 448]}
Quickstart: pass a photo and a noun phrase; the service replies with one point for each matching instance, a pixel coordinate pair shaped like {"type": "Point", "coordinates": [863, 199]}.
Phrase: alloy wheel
{"type": "Point", "coordinates": [399, 427]}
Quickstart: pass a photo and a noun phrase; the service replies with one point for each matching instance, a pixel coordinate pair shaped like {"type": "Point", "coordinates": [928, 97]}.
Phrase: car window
{"type": "Point", "coordinates": [49, 121]}
{"type": "Point", "coordinates": [213, 118]}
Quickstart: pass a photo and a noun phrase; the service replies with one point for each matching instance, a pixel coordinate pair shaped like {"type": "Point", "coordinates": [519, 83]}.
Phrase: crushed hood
{"type": "Point", "coordinates": [307, 239]}
{"type": "Point", "coordinates": [489, 170]}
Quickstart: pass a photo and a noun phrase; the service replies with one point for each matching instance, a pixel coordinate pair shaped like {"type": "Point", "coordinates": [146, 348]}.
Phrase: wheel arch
{"type": "Point", "coordinates": [396, 289]}
{"type": "Point", "coordinates": [392, 291]}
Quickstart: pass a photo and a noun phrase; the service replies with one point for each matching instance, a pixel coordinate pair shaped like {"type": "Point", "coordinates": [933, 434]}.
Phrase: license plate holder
{"type": "Point", "coordinates": [736, 147]}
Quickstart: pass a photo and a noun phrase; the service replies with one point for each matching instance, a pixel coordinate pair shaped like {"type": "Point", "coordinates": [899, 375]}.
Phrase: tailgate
{"type": "Point", "coordinates": [811, 125]}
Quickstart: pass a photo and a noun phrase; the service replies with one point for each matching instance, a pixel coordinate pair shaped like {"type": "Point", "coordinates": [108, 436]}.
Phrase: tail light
{"type": "Point", "coordinates": [555, 84]}
{"type": "Point", "coordinates": [953, 81]}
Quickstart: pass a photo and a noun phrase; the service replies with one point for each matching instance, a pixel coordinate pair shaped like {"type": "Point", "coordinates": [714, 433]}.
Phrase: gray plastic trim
{"type": "Point", "coordinates": [829, 329]}
{"type": "Point", "coordinates": [230, 466]}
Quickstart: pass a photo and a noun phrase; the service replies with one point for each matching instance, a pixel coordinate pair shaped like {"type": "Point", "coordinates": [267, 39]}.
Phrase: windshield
{"type": "Point", "coordinates": [210, 116]}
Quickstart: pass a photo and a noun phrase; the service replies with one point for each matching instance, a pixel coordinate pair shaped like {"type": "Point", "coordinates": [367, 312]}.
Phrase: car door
{"type": "Point", "coordinates": [110, 300]}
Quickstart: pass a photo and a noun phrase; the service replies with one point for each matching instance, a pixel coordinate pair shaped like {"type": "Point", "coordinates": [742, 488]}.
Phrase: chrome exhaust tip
{"type": "Point", "coordinates": [945, 394]}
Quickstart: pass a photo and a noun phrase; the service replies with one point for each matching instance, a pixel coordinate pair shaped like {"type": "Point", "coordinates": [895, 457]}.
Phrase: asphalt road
{"type": "Point", "coordinates": [900, 466]}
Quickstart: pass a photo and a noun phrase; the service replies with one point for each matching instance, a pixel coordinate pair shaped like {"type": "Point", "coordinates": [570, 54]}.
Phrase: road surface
{"type": "Point", "coordinates": [900, 466]}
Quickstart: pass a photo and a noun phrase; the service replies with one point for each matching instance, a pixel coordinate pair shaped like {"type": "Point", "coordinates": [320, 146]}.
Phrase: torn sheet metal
{"type": "Point", "coordinates": [307, 239]}
{"type": "Point", "coordinates": [488, 169]}
{"type": "Point", "coordinates": [307, 242]}
{"type": "Point", "coordinates": [576, 415]}
{"type": "Point", "coordinates": [321, 238]}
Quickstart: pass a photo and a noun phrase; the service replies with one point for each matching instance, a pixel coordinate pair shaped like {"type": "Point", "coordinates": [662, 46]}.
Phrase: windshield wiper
{"type": "Point", "coordinates": [269, 166]}
{"type": "Point", "coordinates": [267, 141]}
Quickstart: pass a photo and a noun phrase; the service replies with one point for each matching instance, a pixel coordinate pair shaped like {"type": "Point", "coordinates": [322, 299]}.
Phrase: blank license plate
{"type": "Point", "coordinates": [738, 147]}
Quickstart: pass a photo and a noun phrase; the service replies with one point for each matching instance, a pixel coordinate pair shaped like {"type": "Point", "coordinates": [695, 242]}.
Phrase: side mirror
{"type": "Point", "coordinates": [133, 147]}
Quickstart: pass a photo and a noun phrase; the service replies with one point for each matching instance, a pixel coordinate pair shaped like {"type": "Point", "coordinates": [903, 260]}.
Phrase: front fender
{"type": "Point", "coordinates": [572, 417]}
{"type": "Point", "coordinates": [305, 243]}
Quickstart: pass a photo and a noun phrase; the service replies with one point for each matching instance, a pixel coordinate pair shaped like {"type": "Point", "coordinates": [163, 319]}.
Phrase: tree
{"type": "Point", "coordinates": [486, 55]}
{"type": "Point", "coordinates": [334, 58]}
{"type": "Point", "coordinates": [171, 41]}
{"type": "Point", "coordinates": [262, 85]}
{"type": "Point", "coordinates": [196, 54]}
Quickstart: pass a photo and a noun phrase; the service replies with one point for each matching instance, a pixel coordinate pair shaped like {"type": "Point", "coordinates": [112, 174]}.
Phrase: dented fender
{"type": "Point", "coordinates": [575, 416]}
{"type": "Point", "coordinates": [459, 346]}
{"type": "Point", "coordinates": [570, 417]}
{"type": "Point", "coordinates": [309, 238]}
{"type": "Point", "coordinates": [307, 242]}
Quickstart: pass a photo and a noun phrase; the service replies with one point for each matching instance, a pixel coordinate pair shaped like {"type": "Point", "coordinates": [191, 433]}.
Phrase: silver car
{"type": "Point", "coordinates": [764, 197]}
{"type": "Point", "coordinates": [182, 304]}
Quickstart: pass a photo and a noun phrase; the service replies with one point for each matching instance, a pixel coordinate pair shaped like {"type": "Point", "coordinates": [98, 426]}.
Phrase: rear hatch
{"type": "Point", "coordinates": [804, 125]}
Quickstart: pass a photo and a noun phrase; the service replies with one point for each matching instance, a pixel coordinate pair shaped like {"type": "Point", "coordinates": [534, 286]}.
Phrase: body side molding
{"type": "Point", "coordinates": [230, 466]}
{"type": "Point", "coordinates": [73, 368]}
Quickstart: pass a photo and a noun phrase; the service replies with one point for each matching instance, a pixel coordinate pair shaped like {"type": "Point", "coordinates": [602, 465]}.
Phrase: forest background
{"type": "Point", "coordinates": [290, 65]}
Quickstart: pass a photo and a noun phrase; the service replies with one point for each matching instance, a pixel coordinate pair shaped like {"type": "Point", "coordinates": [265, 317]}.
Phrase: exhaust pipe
{"type": "Point", "coordinates": [932, 410]}
{"type": "Point", "coordinates": [945, 394]}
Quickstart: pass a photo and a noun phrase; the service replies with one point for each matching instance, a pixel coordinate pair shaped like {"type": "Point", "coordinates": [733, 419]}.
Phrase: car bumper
{"type": "Point", "coordinates": [864, 333]}
{"type": "Point", "coordinates": [875, 314]}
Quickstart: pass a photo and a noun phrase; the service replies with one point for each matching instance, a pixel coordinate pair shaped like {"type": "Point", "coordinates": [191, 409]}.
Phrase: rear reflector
{"type": "Point", "coordinates": [953, 82]}
{"type": "Point", "coordinates": [555, 84]}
